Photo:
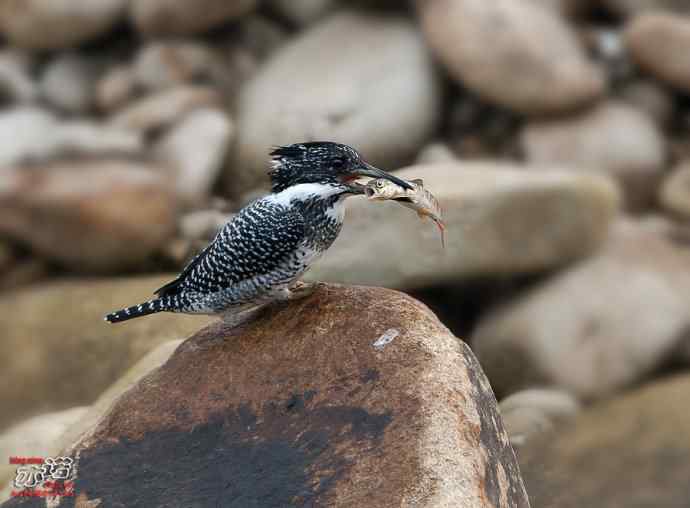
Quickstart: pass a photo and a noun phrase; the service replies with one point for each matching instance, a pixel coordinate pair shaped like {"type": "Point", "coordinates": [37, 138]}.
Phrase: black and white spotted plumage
{"type": "Point", "coordinates": [257, 256]}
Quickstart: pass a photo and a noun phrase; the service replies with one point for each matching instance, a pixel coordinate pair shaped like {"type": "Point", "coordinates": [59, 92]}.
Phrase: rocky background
{"type": "Point", "coordinates": [556, 134]}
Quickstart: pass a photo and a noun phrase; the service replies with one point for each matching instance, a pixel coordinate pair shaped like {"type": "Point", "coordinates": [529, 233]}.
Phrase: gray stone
{"type": "Point", "coordinates": [162, 109]}
{"type": "Point", "coordinates": [612, 138]}
{"type": "Point", "coordinates": [16, 82]}
{"type": "Point", "coordinates": [343, 92]}
{"type": "Point", "coordinates": [500, 220]}
{"type": "Point", "coordinates": [658, 43]}
{"type": "Point", "coordinates": [164, 64]}
{"type": "Point", "coordinates": [532, 412]}
{"type": "Point", "coordinates": [194, 150]}
{"type": "Point", "coordinates": [519, 55]}
{"type": "Point", "coordinates": [630, 451]}
{"type": "Point", "coordinates": [68, 82]}
{"type": "Point", "coordinates": [601, 326]}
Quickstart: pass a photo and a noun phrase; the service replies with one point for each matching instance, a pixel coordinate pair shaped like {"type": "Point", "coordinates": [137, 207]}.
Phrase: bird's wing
{"type": "Point", "coordinates": [256, 241]}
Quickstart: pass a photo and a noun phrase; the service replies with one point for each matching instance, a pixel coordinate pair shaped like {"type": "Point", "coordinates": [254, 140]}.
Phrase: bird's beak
{"type": "Point", "coordinates": [367, 169]}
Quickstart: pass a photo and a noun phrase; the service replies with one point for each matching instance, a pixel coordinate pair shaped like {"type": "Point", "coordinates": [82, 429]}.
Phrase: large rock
{"type": "Point", "coordinates": [90, 216]}
{"type": "Point", "coordinates": [612, 138]}
{"type": "Point", "coordinates": [344, 91]}
{"type": "Point", "coordinates": [520, 55]}
{"type": "Point", "coordinates": [674, 193]}
{"type": "Point", "coordinates": [50, 433]}
{"type": "Point", "coordinates": [163, 64]}
{"type": "Point", "coordinates": [658, 43]}
{"type": "Point", "coordinates": [194, 151]}
{"type": "Point", "coordinates": [181, 17]}
{"type": "Point", "coordinates": [596, 328]}
{"type": "Point", "coordinates": [68, 82]}
{"type": "Point", "coordinates": [34, 437]}
{"type": "Point", "coordinates": [16, 82]}
{"type": "Point", "coordinates": [61, 350]}
{"type": "Point", "coordinates": [33, 135]}
{"type": "Point", "coordinates": [500, 220]}
{"type": "Point", "coordinates": [370, 402]}
{"type": "Point", "coordinates": [530, 413]}
{"type": "Point", "coordinates": [161, 110]}
{"type": "Point", "coordinates": [52, 24]}
{"type": "Point", "coordinates": [633, 451]}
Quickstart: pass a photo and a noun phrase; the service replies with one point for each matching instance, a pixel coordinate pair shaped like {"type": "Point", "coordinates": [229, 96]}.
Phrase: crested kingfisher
{"type": "Point", "coordinates": [259, 256]}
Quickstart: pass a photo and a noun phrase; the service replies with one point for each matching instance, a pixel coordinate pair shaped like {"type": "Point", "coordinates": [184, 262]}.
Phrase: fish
{"type": "Point", "coordinates": [418, 199]}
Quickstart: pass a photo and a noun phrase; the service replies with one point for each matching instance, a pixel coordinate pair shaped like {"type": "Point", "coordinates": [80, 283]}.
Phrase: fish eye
{"type": "Point", "coordinates": [380, 184]}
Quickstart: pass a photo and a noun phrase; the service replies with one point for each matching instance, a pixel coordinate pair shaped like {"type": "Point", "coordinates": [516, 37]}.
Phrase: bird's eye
{"type": "Point", "coordinates": [338, 164]}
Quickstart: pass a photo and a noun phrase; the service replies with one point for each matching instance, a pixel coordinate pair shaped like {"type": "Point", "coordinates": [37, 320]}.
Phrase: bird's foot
{"type": "Point", "coordinates": [301, 289]}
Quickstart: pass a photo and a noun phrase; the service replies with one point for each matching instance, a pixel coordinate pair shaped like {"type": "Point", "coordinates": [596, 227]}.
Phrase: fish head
{"type": "Point", "coordinates": [381, 189]}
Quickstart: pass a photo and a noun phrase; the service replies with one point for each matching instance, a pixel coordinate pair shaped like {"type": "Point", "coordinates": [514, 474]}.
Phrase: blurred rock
{"type": "Point", "coordinates": [90, 216]}
{"type": "Point", "coordinates": [303, 12]}
{"type": "Point", "coordinates": [34, 437]}
{"type": "Point", "coordinates": [257, 36]}
{"type": "Point", "coordinates": [68, 81]}
{"type": "Point", "coordinates": [519, 55]}
{"type": "Point", "coordinates": [631, 451]}
{"type": "Point", "coordinates": [115, 88]}
{"type": "Point", "coordinates": [649, 97]}
{"type": "Point", "coordinates": [22, 272]}
{"type": "Point", "coordinates": [606, 47]}
{"type": "Point", "coordinates": [202, 224]}
{"type": "Point", "coordinates": [57, 343]}
{"type": "Point", "coordinates": [82, 137]}
{"type": "Point", "coordinates": [336, 411]}
{"type": "Point", "coordinates": [181, 17]}
{"type": "Point", "coordinates": [435, 153]}
{"type": "Point", "coordinates": [343, 92]}
{"type": "Point", "coordinates": [658, 43]}
{"type": "Point", "coordinates": [164, 64]}
{"type": "Point", "coordinates": [161, 110]}
{"type": "Point", "coordinates": [500, 220]}
{"type": "Point", "coordinates": [32, 135]}
{"type": "Point", "coordinates": [54, 24]}
{"type": "Point", "coordinates": [596, 328]}
{"type": "Point", "coordinates": [674, 193]}
{"type": "Point", "coordinates": [532, 412]}
{"type": "Point", "coordinates": [26, 133]}
{"type": "Point", "coordinates": [16, 82]}
{"type": "Point", "coordinates": [612, 138]}
{"type": "Point", "coordinates": [195, 150]}
{"type": "Point", "coordinates": [634, 7]}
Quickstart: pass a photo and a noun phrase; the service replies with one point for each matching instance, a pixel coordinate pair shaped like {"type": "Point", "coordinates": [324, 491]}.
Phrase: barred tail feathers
{"type": "Point", "coordinates": [143, 309]}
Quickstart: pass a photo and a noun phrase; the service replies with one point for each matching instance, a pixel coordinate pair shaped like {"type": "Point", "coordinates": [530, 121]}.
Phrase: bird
{"type": "Point", "coordinates": [260, 255]}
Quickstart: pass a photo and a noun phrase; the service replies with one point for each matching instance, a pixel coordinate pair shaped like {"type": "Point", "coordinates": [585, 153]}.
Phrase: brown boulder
{"type": "Point", "coordinates": [95, 216]}
{"type": "Point", "coordinates": [59, 349]}
{"type": "Point", "coordinates": [630, 452]}
{"type": "Point", "coordinates": [352, 397]}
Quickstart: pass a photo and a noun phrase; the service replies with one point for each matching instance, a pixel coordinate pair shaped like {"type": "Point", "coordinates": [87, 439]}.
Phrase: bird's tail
{"type": "Point", "coordinates": [143, 309]}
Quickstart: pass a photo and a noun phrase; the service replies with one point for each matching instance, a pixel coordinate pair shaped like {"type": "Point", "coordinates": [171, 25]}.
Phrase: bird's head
{"type": "Point", "coordinates": [322, 162]}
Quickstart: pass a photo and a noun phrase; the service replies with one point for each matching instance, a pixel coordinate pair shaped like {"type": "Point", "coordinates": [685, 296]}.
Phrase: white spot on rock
{"type": "Point", "coordinates": [385, 339]}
